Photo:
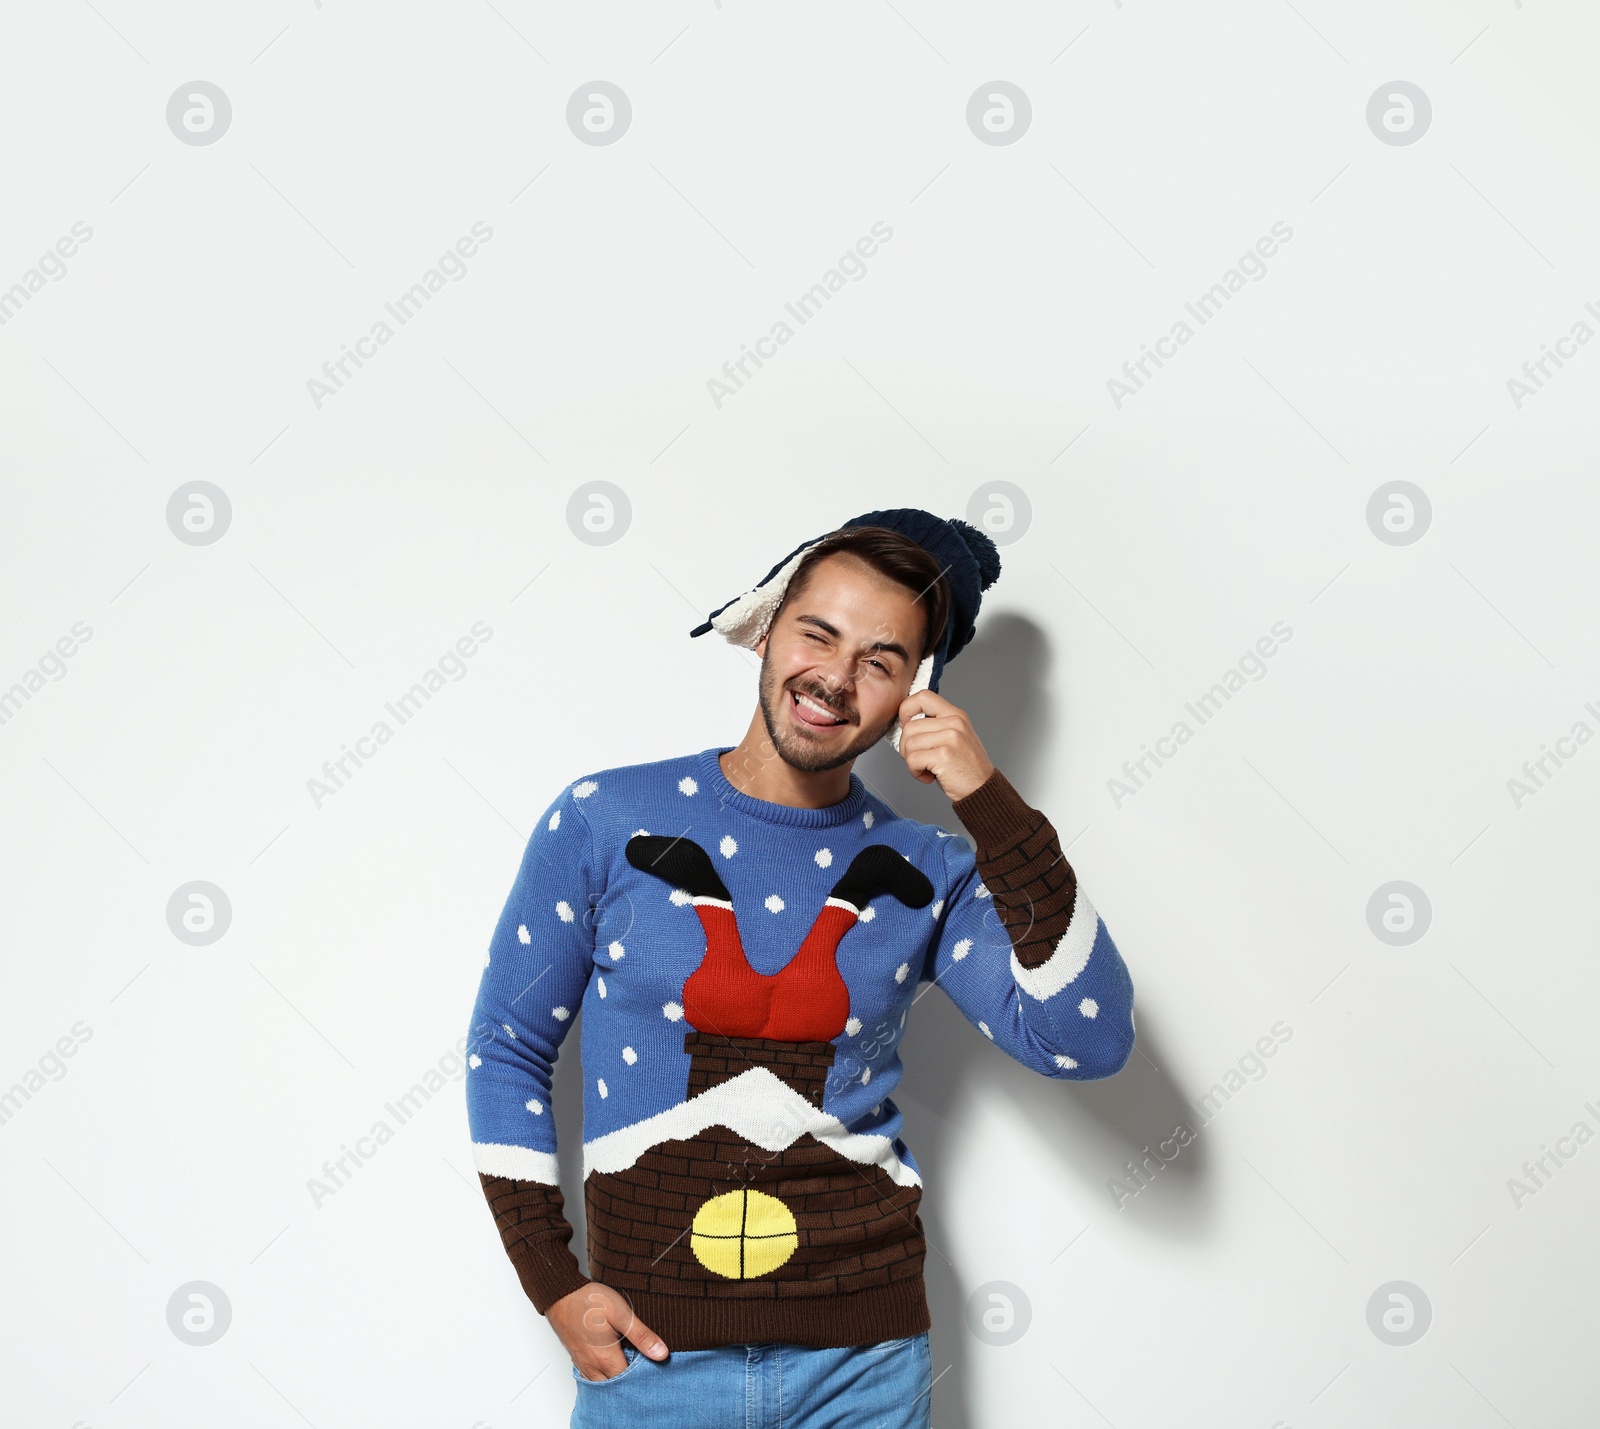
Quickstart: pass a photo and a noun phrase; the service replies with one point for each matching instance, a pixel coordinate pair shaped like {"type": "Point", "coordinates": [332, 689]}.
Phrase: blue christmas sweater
{"type": "Point", "coordinates": [745, 971]}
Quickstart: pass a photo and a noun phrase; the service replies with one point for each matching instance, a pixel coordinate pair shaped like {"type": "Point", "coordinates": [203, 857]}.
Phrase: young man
{"type": "Point", "coordinates": [745, 930]}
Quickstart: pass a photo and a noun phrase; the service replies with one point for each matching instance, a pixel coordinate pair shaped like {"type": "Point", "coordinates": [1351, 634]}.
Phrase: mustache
{"type": "Point", "coordinates": [825, 699]}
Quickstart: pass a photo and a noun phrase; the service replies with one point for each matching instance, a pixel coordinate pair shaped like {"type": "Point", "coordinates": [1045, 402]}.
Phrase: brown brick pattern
{"type": "Point", "coordinates": [1020, 859]}
{"type": "Point", "coordinates": [534, 1229]}
{"type": "Point", "coordinates": [715, 1059]}
{"type": "Point", "coordinates": [857, 1230]}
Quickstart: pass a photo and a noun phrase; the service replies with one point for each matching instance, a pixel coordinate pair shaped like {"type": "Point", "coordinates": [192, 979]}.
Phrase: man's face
{"type": "Point", "coordinates": [838, 662]}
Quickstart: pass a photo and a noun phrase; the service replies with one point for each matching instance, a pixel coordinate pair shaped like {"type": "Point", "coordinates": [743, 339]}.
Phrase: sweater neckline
{"type": "Point", "coordinates": [851, 806]}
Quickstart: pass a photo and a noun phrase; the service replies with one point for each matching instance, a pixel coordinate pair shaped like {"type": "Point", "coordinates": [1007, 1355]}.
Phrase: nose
{"type": "Point", "coordinates": [839, 673]}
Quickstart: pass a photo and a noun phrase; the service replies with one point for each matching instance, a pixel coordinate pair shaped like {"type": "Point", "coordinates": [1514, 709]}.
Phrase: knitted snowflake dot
{"type": "Point", "coordinates": [1063, 1061]}
{"type": "Point", "coordinates": [583, 790]}
{"type": "Point", "coordinates": [536, 1107]}
{"type": "Point", "coordinates": [523, 936]}
{"type": "Point", "coordinates": [686, 785]}
{"type": "Point", "coordinates": [901, 972]}
{"type": "Point", "coordinates": [673, 1012]}
{"type": "Point", "coordinates": [601, 984]}
{"type": "Point", "coordinates": [679, 897]}
{"type": "Point", "coordinates": [983, 1027]}
{"type": "Point", "coordinates": [867, 914]}
{"type": "Point", "coordinates": [937, 908]}
{"type": "Point", "coordinates": [867, 820]}
{"type": "Point", "coordinates": [1089, 1007]}
{"type": "Point", "coordinates": [824, 857]}
{"type": "Point", "coordinates": [555, 821]}
{"type": "Point", "coordinates": [603, 1089]}
{"type": "Point", "coordinates": [981, 891]}
{"type": "Point", "coordinates": [564, 911]}
{"type": "Point", "coordinates": [961, 949]}
{"type": "Point", "coordinates": [474, 1061]}
{"type": "Point", "coordinates": [561, 1014]}
{"type": "Point", "coordinates": [866, 1076]}
{"type": "Point", "coordinates": [617, 950]}
{"type": "Point", "coordinates": [629, 1056]}
{"type": "Point", "coordinates": [775, 904]}
{"type": "Point", "coordinates": [729, 846]}
{"type": "Point", "coordinates": [852, 1026]}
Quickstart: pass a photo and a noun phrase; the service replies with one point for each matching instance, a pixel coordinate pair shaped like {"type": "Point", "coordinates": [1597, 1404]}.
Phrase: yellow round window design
{"type": "Point", "coordinates": [743, 1234]}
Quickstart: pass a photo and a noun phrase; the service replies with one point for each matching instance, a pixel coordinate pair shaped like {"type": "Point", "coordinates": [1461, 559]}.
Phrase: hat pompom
{"type": "Point", "coordinates": [984, 551]}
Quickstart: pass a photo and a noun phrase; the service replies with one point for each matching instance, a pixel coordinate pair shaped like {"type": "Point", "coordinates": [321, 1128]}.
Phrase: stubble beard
{"type": "Point", "coordinates": [795, 752]}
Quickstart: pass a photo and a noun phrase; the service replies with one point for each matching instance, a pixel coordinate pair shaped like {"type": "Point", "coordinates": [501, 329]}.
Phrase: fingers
{"type": "Point", "coordinates": [925, 702]}
{"type": "Point", "coordinates": [593, 1322]}
{"type": "Point", "coordinates": [646, 1339]}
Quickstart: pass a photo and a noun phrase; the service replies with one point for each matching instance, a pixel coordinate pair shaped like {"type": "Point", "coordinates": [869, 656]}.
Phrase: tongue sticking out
{"type": "Point", "coordinates": [812, 712]}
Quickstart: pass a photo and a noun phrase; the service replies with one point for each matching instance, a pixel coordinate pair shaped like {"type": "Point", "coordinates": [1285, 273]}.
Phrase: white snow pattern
{"type": "Point", "coordinates": [536, 1107]}
{"type": "Point", "coordinates": [1089, 1007]}
{"type": "Point", "coordinates": [729, 846]}
{"type": "Point", "coordinates": [523, 935]}
{"type": "Point", "coordinates": [561, 1014]}
{"type": "Point", "coordinates": [775, 904]}
{"type": "Point", "coordinates": [961, 949]}
{"type": "Point", "coordinates": [629, 1056]}
{"type": "Point", "coordinates": [687, 786]}
{"type": "Point", "coordinates": [673, 1012]}
{"type": "Point", "coordinates": [601, 1085]}
{"type": "Point", "coordinates": [564, 911]}
{"type": "Point", "coordinates": [474, 1061]}
{"type": "Point", "coordinates": [867, 914]}
{"type": "Point", "coordinates": [617, 950]}
{"type": "Point", "coordinates": [555, 821]}
{"type": "Point", "coordinates": [901, 972]}
{"type": "Point", "coordinates": [852, 1026]}
{"type": "Point", "coordinates": [824, 857]}
{"type": "Point", "coordinates": [583, 790]}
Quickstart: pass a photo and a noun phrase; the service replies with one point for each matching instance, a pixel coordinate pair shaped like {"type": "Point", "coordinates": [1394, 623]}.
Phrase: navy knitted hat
{"type": "Point", "coordinates": [966, 556]}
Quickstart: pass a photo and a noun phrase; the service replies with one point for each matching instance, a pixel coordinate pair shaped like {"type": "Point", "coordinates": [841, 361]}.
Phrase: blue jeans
{"type": "Point", "coordinates": [765, 1386]}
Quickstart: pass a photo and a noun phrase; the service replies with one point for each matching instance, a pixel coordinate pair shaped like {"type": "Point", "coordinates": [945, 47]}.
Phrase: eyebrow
{"type": "Point", "coordinates": [887, 647]}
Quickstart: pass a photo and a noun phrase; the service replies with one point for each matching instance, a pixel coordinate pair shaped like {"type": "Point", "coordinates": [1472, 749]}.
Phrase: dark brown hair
{"type": "Point", "coordinates": [890, 554]}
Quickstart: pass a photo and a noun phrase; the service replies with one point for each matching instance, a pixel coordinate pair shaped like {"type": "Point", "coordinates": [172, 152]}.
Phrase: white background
{"type": "Point", "coordinates": [1167, 535]}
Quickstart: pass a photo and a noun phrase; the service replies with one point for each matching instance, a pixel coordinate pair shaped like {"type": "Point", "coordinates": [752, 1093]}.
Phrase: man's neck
{"type": "Point", "coordinates": [755, 768]}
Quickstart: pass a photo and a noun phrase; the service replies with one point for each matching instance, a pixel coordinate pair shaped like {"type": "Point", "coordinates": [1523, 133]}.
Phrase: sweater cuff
{"type": "Point", "coordinates": [995, 814]}
{"type": "Point", "coordinates": [548, 1271]}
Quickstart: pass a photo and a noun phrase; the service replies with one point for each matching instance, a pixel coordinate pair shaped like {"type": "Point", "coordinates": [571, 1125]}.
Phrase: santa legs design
{"type": "Point", "coordinates": [753, 1196]}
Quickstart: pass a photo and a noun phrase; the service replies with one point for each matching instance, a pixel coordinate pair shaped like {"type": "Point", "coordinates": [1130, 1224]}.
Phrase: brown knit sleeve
{"type": "Point", "coordinates": [1022, 865]}
{"type": "Point", "coordinates": [537, 1235]}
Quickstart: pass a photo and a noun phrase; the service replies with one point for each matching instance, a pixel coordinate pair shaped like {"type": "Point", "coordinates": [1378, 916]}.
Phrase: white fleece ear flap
{"type": "Point", "coordinates": [749, 618]}
{"type": "Point", "coordinates": [924, 674]}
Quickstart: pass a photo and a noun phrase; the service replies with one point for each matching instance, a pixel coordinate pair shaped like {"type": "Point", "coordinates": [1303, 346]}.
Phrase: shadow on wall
{"type": "Point", "coordinates": [1084, 1132]}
